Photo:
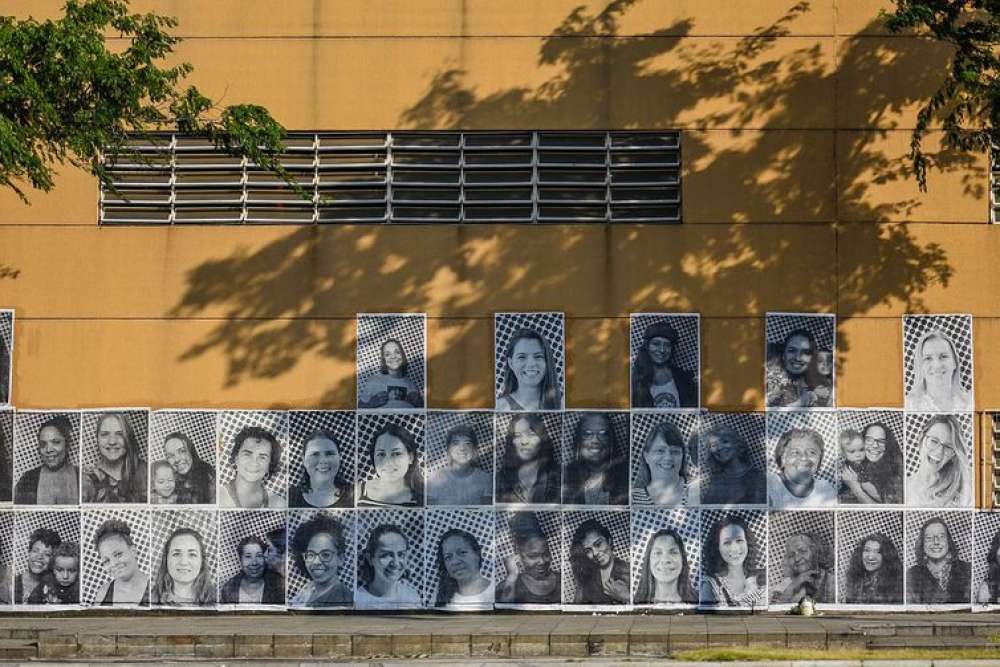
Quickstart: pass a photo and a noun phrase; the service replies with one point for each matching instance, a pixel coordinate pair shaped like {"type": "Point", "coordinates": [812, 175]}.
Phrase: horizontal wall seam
{"type": "Point", "coordinates": [475, 318]}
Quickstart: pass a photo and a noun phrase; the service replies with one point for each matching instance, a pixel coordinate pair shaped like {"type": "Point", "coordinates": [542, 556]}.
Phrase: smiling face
{"type": "Point", "coordinates": [527, 443]}
{"type": "Point", "coordinates": [935, 538]}
{"type": "Point", "coordinates": [875, 439]}
{"type": "Point", "coordinates": [392, 355]}
{"type": "Point", "coordinates": [184, 559]}
{"type": "Point", "coordinates": [597, 549]}
{"type": "Point", "coordinates": [390, 558]}
{"type": "Point", "coordinates": [733, 545]}
{"type": "Point", "coordinates": [66, 569]}
{"type": "Point", "coordinates": [322, 558]}
{"type": "Point", "coordinates": [937, 360]}
{"type": "Point", "coordinates": [824, 362]}
{"type": "Point", "coordinates": [871, 555]}
{"type": "Point", "coordinates": [723, 447]}
{"type": "Point", "coordinates": [527, 362]}
{"type": "Point", "coordinates": [39, 557]}
{"type": "Point", "coordinates": [801, 459]}
{"type": "Point", "coordinates": [662, 459]}
{"type": "Point", "coordinates": [52, 447]}
{"type": "Point", "coordinates": [659, 350]}
{"type": "Point", "coordinates": [321, 459]}
{"type": "Point", "coordinates": [111, 438]}
{"type": "Point", "coordinates": [177, 455]}
{"type": "Point", "coordinates": [536, 559]}
{"type": "Point", "coordinates": [164, 482]}
{"type": "Point", "coordinates": [392, 459]}
{"type": "Point", "coordinates": [117, 557]}
{"type": "Point", "coordinates": [460, 560]}
{"type": "Point", "coordinates": [797, 355]}
{"type": "Point", "coordinates": [595, 439]}
{"type": "Point", "coordinates": [853, 450]}
{"type": "Point", "coordinates": [253, 460]}
{"type": "Point", "coordinates": [252, 561]}
{"type": "Point", "coordinates": [800, 554]}
{"type": "Point", "coordinates": [665, 559]}
{"type": "Point", "coordinates": [461, 450]}
{"type": "Point", "coordinates": [939, 445]}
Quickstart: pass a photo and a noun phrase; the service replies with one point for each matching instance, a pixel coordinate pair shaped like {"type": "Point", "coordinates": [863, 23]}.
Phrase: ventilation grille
{"type": "Point", "coordinates": [422, 177]}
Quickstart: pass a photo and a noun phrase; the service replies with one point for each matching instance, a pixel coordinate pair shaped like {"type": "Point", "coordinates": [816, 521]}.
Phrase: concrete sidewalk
{"type": "Point", "coordinates": [301, 637]}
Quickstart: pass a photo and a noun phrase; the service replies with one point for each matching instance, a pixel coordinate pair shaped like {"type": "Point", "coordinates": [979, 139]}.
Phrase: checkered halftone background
{"type": "Point", "coordinates": [137, 419]}
{"type": "Point", "coordinates": [751, 426]}
{"type": "Point", "coordinates": [985, 527]}
{"type": "Point", "coordinates": [198, 425]}
{"type": "Point", "coordinates": [686, 422]}
{"type": "Point", "coordinates": [957, 327]}
{"type": "Point", "coordinates": [7, 336]}
{"type": "Point", "coordinates": [687, 523]}
{"type": "Point", "coordinates": [553, 427]}
{"type": "Point", "coordinates": [551, 326]}
{"type": "Point", "coordinates": [438, 424]}
{"type": "Point", "coordinates": [859, 420]}
{"type": "Point", "coordinates": [230, 423]}
{"type": "Point", "coordinates": [7, 545]}
{"type": "Point", "coordinates": [233, 527]}
{"type": "Point", "coordinates": [853, 527]}
{"type": "Point", "coordinates": [409, 330]}
{"type": "Point", "coordinates": [296, 579]}
{"type": "Point", "coordinates": [781, 526]}
{"type": "Point", "coordinates": [824, 423]}
{"type": "Point", "coordinates": [92, 575]}
{"type": "Point", "coordinates": [7, 446]}
{"type": "Point", "coordinates": [915, 422]}
{"type": "Point", "coordinates": [619, 420]}
{"type": "Point", "coordinates": [550, 523]}
{"type": "Point", "coordinates": [822, 327]}
{"type": "Point", "coordinates": [618, 524]}
{"type": "Point", "coordinates": [370, 423]}
{"type": "Point", "coordinates": [478, 523]}
{"type": "Point", "coordinates": [756, 521]}
{"type": "Point", "coordinates": [66, 523]}
{"type": "Point", "coordinates": [165, 522]}
{"type": "Point", "coordinates": [340, 423]}
{"type": "Point", "coordinates": [411, 522]}
{"type": "Point", "coordinates": [26, 425]}
{"type": "Point", "coordinates": [688, 328]}
{"type": "Point", "coordinates": [959, 525]}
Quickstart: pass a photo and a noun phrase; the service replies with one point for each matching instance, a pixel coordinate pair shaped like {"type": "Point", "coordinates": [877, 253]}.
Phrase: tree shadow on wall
{"type": "Point", "coordinates": [298, 294]}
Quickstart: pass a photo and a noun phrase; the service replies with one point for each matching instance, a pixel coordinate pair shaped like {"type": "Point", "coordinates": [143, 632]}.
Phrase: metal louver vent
{"type": "Point", "coordinates": [420, 177]}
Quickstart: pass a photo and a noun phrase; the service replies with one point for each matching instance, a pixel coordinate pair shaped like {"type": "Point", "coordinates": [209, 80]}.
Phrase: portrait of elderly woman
{"type": "Point", "coordinates": [661, 476]}
{"type": "Point", "coordinates": [732, 479]}
{"type": "Point", "coordinates": [529, 374]}
{"type": "Point", "coordinates": [56, 480]}
{"type": "Point", "coordinates": [798, 455]}
{"type": "Point", "coordinates": [939, 575]}
{"type": "Point", "coordinates": [796, 375]}
{"type": "Point", "coordinates": [657, 381]}
{"type": "Point", "coordinates": [194, 479]}
{"type": "Point", "coordinates": [598, 472]}
{"type": "Point", "coordinates": [256, 456]}
{"type": "Point", "coordinates": [875, 572]}
{"type": "Point", "coordinates": [126, 584]}
{"type": "Point", "coordinates": [602, 578]}
{"type": "Point", "coordinates": [666, 576]}
{"type": "Point", "coordinates": [184, 577]}
{"type": "Point", "coordinates": [118, 474]}
{"type": "Point", "coordinates": [806, 570]}
{"type": "Point", "coordinates": [462, 480]}
{"type": "Point", "coordinates": [530, 577]}
{"type": "Point", "coordinates": [320, 551]}
{"type": "Point", "coordinates": [943, 478]}
{"type": "Point", "coordinates": [937, 376]}
{"type": "Point", "coordinates": [255, 583]}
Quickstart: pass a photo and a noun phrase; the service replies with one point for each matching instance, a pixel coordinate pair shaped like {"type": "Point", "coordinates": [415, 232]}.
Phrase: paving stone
{"type": "Point", "coordinates": [410, 645]}
{"type": "Point", "coordinates": [96, 646]}
{"type": "Point", "coordinates": [489, 646]}
{"type": "Point", "coordinates": [57, 646]}
{"type": "Point", "coordinates": [331, 646]}
{"type": "Point", "coordinates": [450, 645]}
{"type": "Point", "coordinates": [293, 646]}
{"type": "Point", "coordinates": [175, 645]}
{"type": "Point", "coordinates": [371, 646]}
{"type": "Point", "coordinates": [136, 646]}
{"type": "Point", "coordinates": [523, 645]}
{"type": "Point", "coordinates": [253, 646]}
{"type": "Point", "coordinates": [215, 646]}
{"type": "Point", "coordinates": [568, 644]}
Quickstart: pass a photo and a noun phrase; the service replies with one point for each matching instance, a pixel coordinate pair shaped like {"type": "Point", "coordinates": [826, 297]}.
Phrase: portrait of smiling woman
{"type": "Point", "coordinates": [657, 380]}
{"type": "Point", "coordinates": [118, 474]}
{"type": "Point", "coordinates": [461, 584]}
{"type": "Point", "coordinates": [943, 478]}
{"type": "Point", "coordinates": [322, 482]}
{"type": "Point", "coordinates": [194, 479]}
{"type": "Point", "coordinates": [385, 567]}
{"type": "Point", "coordinates": [390, 388]}
{"type": "Point", "coordinates": [528, 471]}
{"type": "Point", "coordinates": [665, 577]}
{"type": "Point", "coordinates": [661, 469]}
{"type": "Point", "coordinates": [601, 577]}
{"type": "Point", "coordinates": [184, 577]}
{"type": "Point", "coordinates": [56, 480]}
{"type": "Point", "coordinates": [598, 471]}
{"type": "Point", "coordinates": [937, 376]}
{"type": "Point", "coordinates": [729, 576]}
{"type": "Point", "coordinates": [529, 374]}
{"type": "Point", "coordinates": [940, 575]}
{"type": "Point", "coordinates": [798, 456]}
{"type": "Point", "coordinates": [798, 373]}
{"type": "Point", "coordinates": [127, 584]}
{"type": "Point", "coordinates": [320, 549]}
{"type": "Point", "coordinates": [256, 456]}
{"type": "Point", "coordinates": [397, 475]}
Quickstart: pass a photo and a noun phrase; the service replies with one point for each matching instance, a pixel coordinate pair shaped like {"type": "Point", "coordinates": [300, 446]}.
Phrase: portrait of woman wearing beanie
{"type": "Point", "coordinates": [657, 380]}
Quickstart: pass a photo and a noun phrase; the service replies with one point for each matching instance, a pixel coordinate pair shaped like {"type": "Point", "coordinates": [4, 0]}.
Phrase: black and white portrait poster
{"type": "Point", "coordinates": [595, 453]}
{"type": "Point", "coordinates": [392, 368]}
{"type": "Point", "coordinates": [529, 551]}
{"type": "Point", "coordinates": [184, 552]}
{"type": "Point", "coordinates": [182, 454]}
{"type": "Point", "coordinates": [732, 455]}
{"type": "Point", "coordinates": [246, 578]}
{"type": "Point", "coordinates": [801, 558]}
{"type": "Point", "coordinates": [870, 559]}
{"type": "Point", "coordinates": [938, 363]}
{"type": "Point", "coordinates": [252, 459]}
{"type": "Point", "coordinates": [939, 460]}
{"type": "Point", "coordinates": [114, 452]}
{"type": "Point", "coordinates": [322, 459]}
{"type": "Point", "coordinates": [986, 561]}
{"type": "Point", "coordinates": [47, 458]}
{"type": "Point", "coordinates": [390, 571]}
{"type": "Point", "coordinates": [460, 458]}
{"type": "Point", "coordinates": [458, 559]}
{"type": "Point", "coordinates": [800, 355]}
{"type": "Point", "coordinates": [937, 556]}
{"type": "Point", "coordinates": [6, 558]}
{"type": "Point", "coordinates": [870, 448]}
{"type": "Point", "coordinates": [802, 459]}
{"type": "Point", "coordinates": [390, 459]}
{"type": "Point", "coordinates": [528, 458]}
{"type": "Point", "coordinates": [6, 356]}
{"type": "Point", "coordinates": [665, 355]}
{"type": "Point", "coordinates": [117, 557]}
{"type": "Point", "coordinates": [666, 558]}
{"type": "Point", "coordinates": [530, 354]}
{"type": "Point", "coordinates": [322, 553]}
{"type": "Point", "coordinates": [6, 455]}
{"type": "Point", "coordinates": [664, 467]}
{"type": "Point", "coordinates": [598, 571]}
{"type": "Point", "coordinates": [47, 559]}
{"type": "Point", "coordinates": [733, 558]}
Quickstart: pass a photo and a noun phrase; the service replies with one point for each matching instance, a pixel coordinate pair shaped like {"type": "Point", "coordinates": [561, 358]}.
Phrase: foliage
{"type": "Point", "coordinates": [67, 96]}
{"type": "Point", "coordinates": [968, 101]}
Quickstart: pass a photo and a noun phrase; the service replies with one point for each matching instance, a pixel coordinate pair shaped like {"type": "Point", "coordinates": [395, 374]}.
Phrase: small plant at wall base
{"type": "Point", "coordinates": [968, 100]}
{"type": "Point", "coordinates": [65, 97]}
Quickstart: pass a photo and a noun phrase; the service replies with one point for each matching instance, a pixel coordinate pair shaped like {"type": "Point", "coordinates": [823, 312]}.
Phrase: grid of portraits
{"type": "Point", "coordinates": [876, 537]}
{"type": "Point", "coordinates": [752, 524]}
{"type": "Point", "coordinates": [733, 441]}
{"type": "Point", "coordinates": [477, 525]}
{"type": "Point", "coordinates": [939, 460]}
{"type": "Point", "coordinates": [986, 559]}
{"type": "Point", "coordinates": [230, 424]}
{"type": "Point", "coordinates": [955, 329]}
{"type": "Point", "coordinates": [786, 427]}
{"type": "Point", "coordinates": [801, 556]}
{"type": "Point", "coordinates": [579, 574]}
{"type": "Point", "coordinates": [644, 426]}
{"type": "Point", "coordinates": [66, 526]}
{"type": "Point", "coordinates": [6, 455]}
{"type": "Point", "coordinates": [28, 427]}
{"type": "Point", "coordinates": [339, 424]}
{"type": "Point", "coordinates": [374, 331]}
{"type": "Point", "coordinates": [406, 522]}
{"type": "Point", "coordinates": [234, 527]}
{"type": "Point", "coordinates": [549, 326]}
{"type": "Point", "coordinates": [6, 355]}
{"type": "Point", "coordinates": [297, 574]}
{"type": "Point", "coordinates": [669, 524]}
{"type": "Point", "coordinates": [168, 526]}
{"type": "Point", "coordinates": [511, 528]}
{"type": "Point", "coordinates": [94, 577]}
{"type": "Point", "coordinates": [937, 535]}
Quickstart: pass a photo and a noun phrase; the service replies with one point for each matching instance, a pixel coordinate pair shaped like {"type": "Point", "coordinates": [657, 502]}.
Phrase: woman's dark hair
{"type": "Point", "coordinates": [720, 430]}
{"type": "Point", "coordinates": [192, 452]}
{"type": "Point", "coordinates": [670, 435]}
{"type": "Point", "coordinates": [577, 471]}
{"type": "Point", "coordinates": [6, 468]}
{"type": "Point", "coordinates": [797, 333]}
{"type": "Point", "coordinates": [338, 480]}
{"type": "Point", "coordinates": [320, 523]}
{"type": "Point", "coordinates": [258, 433]}
{"type": "Point", "coordinates": [133, 481]}
{"type": "Point", "coordinates": [511, 463]}
{"type": "Point", "coordinates": [918, 548]}
{"type": "Point", "coordinates": [250, 539]}
{"type": "Point", "coordinates": [799, 433]}
{"type": "Point", "coordinates": [62, 424]}
{"type": "Point", "coordinates": [46, 536]}
{"type": "Point", "coordinates": [413, 479]}
{"type": "Point", "coordinates": [113, 528]}
{"type": "Point", "coordinates": [366, 571]}
{"type": "Point", "coordinates": [711, 556]}
{"type": "Point", "coordinates": [163, 587]}
{"type": "Point", "coordinates": [583, 568]}
{"type": "Point", "coordinates": [887, 470]}
{"type": "Point", "coordinates": [643, 367]}
{"type": "Point", "coordinates": [550, 399]}
{"type": "Point", "coordinates": [447, 587]}
{"type": "Point", "coordinates": [524, 526]}
{"type": "Point", "coordinates": [647, 583]}
{"type": "Point", "coordinates": [276, 538]}
{"type": "Point", "coordinates": [465, 430]}
{"type": "Point", "coordinates": [381, 358]}
{"type": "Point", "coordinates": [890, 579]}
{"type": "Point", "coordinates": [993, 568]}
